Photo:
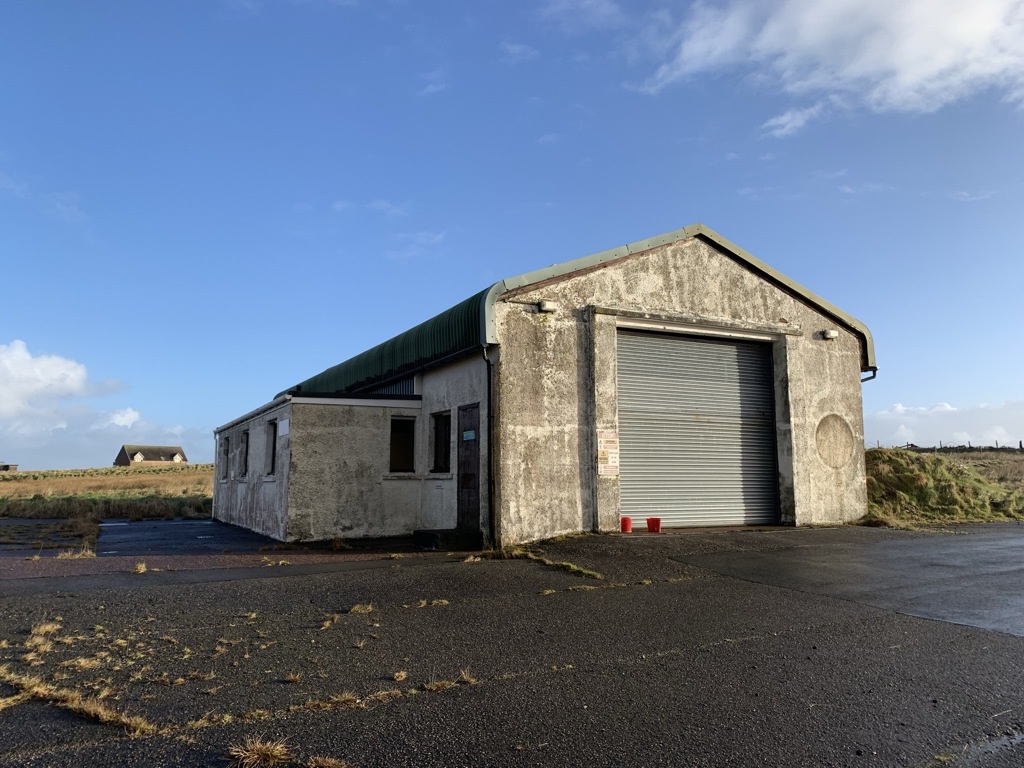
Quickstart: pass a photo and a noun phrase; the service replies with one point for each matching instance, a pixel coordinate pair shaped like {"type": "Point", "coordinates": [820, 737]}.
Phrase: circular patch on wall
{"type": "Point", "coordinates": [835, 440]}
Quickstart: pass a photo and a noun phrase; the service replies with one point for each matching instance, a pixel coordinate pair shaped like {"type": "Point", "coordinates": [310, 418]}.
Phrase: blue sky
{"type": "Point", "coordinates": [204, 202]}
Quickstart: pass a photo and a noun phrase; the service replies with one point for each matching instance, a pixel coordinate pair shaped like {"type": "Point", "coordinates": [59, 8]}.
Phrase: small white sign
{"type": "Point", "coordinates": [282, 427]}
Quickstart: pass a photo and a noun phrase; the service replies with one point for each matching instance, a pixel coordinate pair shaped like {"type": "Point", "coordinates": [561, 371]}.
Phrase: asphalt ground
{"type": "Point", "coordinates": [781, 648]}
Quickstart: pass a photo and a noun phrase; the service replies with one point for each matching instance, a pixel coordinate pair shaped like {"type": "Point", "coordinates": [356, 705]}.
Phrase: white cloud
{"type": "Point", "coordinates": [891, 55]}
{"type": "Point", "coordinates": [125, 417]}
{"type": "Point", "coordinates": [515, 53]}
{"type": "Point", "coordinates": [28, 383]}
{"type": "Point", "coordinates": [946, 424]}
{"type": "Point", "coordinates": [550, 138]}
{"type": "Point", "coordinates": [579, 15]}
{"type": "Point", "coordinates": [792, 120]}
{"type": "Point", "coordinates": [341, 205]}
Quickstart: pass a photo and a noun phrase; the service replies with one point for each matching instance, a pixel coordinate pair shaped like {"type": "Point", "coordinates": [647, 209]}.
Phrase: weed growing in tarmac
{"type": "Point", "coordinates": [519, 553]}
{"type": "Point", "coordinates": [76, 554]}
{"type": "Point", "coordinates": [140, 567]}
{"type": "Point", "coordinates": [361, 608]}
{"type": "Point", "coordinates": [256, 752]}
{"type": "Point", "coordinates": [326, 762]}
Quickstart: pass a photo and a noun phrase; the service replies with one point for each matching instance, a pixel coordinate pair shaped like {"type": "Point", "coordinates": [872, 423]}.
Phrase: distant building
{"type": "Point", "coordinates": [143, 455]}
{"type": "Point", "coordinates": [8, 467]}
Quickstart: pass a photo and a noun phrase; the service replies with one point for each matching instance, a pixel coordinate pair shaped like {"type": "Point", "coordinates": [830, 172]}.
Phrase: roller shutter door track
{"type": "Point", "coordinates": [696, 430]}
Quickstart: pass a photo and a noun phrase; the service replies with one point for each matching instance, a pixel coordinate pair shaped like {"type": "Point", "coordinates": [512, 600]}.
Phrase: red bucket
{"type": "Point", "coordinates": [627, 524]}
{"type": "Point", "coordinates": [654, 524]}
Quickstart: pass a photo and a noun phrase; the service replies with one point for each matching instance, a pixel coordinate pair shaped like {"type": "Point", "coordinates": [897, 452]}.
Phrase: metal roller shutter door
{"type": "Point", "coordinates": [696, 430]}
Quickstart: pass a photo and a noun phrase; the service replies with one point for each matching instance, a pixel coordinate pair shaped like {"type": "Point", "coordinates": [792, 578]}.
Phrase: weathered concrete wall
{"type": "Point", "coordinates": [445, 389]}
{"type": "Point", "coordinates": [555, 386]}
{"type": "Point", "coordinates": [256, 500]}
{"type": "Point", "coordinates": [342, 484]}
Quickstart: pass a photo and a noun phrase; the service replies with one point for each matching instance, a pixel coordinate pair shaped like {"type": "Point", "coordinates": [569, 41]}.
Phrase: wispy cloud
{"type": "Point", "coordinates": [792, 120]}
{"type": "Point", "coordinates": [413, 245]}
{"type": "Point", "coordinates": [342, 205]}
{"type": "Point", "coordinates": [436, 82]}
{"type": "Point", "coordinates": [766, 193]}
{"type": "Point", "coordinates": [389, 208]}
{"type": "Point", "coordinates": [65, 205]}
{"type": "Point", "coordinates": [582, 15]}
{"type": "Point", "coordinates": [550, 138]}
{"type": "Point", "coordinates": [516, 53]}
{"type": "Point", "coordinates": [910, 56]}
{"type": "Point", "coordinates": [11, 186]}
{"type": "Point", "coordinates": [962, 196]}
{"type": "Point", "coordinates": [865, 188]}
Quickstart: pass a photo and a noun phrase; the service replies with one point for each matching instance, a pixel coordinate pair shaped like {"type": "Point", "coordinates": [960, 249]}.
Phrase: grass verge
{"type": "Point", "coordinates": [908, 489]}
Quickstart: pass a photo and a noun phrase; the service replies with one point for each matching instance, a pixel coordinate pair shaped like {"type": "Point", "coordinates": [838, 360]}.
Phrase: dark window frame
{"type": "Point", "coordinates": [270, 462]}
{"type": "Point", "coordinates": [225, 452]}
{"type": "Point", "coordinates": [243, 463]}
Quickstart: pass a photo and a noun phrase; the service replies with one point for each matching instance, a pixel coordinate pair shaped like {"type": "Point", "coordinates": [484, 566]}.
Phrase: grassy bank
{"type": "Point", "coordinates": [908, 488]}
{"type": "Point", "coordinates": [82, 497]}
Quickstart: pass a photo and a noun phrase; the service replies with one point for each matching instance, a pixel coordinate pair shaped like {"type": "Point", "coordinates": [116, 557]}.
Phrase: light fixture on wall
{"type": "Point", "coordinates": [546, 306]}
{"type": "Point", "coordinates": [830, 335]}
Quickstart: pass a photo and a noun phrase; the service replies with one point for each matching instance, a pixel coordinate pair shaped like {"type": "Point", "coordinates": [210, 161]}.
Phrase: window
{"type": "Point", "coordinates": [441, 428]}
{"type": "Point", "coordinates": [271, 459]}
{"type": "Point", "coordinates": [225, 457]}
{"type": "Point", "coordinates": [243, 468]}
{"type": "Point", "coordinates": [403, 441]}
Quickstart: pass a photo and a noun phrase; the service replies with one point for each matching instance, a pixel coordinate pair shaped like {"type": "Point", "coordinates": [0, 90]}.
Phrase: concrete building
{"type": "Point", "coordinates": [677, 377]}
{"type": "Point", "coordinates": [148, 455]}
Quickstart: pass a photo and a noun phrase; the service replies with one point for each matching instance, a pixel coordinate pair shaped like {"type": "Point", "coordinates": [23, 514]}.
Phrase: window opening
{"type": "Point", "coordinates": [403, 441]}
{"type": "Point", "coordinates": [441, 426]}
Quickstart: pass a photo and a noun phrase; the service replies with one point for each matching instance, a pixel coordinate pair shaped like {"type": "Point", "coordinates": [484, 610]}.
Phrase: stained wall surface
{"type": "Point", "coordinates": [249, 489]}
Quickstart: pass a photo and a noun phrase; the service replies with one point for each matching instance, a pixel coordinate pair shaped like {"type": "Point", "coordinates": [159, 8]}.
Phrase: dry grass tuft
{"type": "Point", "coordinates": [466, 677]}
{"type": "Point", "coordinates": [327, 762]}
{"type": "Point", "coordinates": [46, 628]}
{"type": "Point", "coordinates": [520, 553]}
{"type": "Point", "coordinates": [346, 699]}
{"type": "Point", "coordinates": [386, 694]}
{"type": "Point", "coordinates": [256, 752]}
{"type": "Point", "coordinates": [76, 554]}
{"type": "Point", "coordinates": [361, 608]}
{"type": "Point", "coordinates": [293, 677]}
{"type": "Point", "coordinates": [400, 676]}
{"type": "Point", "coordinates": [140, 567]}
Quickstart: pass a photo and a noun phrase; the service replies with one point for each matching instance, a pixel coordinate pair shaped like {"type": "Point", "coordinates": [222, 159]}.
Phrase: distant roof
{"type": "Point", "coordinates": [469, 325]}
{"type": "Point", "coordinates": [155, 452]}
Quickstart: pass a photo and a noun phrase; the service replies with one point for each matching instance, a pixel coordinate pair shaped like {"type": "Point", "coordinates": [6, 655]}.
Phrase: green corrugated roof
{"type": "Point", "coordinates": [470, 324]}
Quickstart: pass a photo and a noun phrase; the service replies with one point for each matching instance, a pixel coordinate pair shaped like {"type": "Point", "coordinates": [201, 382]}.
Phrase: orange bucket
{"type": "Point", "coordinates": [654, 524]}
{"type": "Point", "coordinates": [627, 524]}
